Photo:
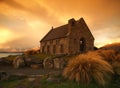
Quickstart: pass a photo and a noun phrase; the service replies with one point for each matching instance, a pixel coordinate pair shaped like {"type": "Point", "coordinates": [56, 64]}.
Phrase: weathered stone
{"type": "Point", "coordinates": [3, 75]}
{"type": "Point", "coordinates": [72, 38]}
{"type": "Point", "coordinates": [54, 73]}
{"type": "Point", "coordinates": [48, 63]}
{"type": "Point", "coordinates": [18, 62]}
{"type": "Point", "coordinates": [53, 80]}
{"type": "Point", "coordinates": [29, 60]}
{"type": "Point", "coordinates": [5, 60]}
{"type": "Point", "coordinates": [31, 79]}
{"type": "Point", "coordinates": [59, 63]}
{"type": "Point", "coordinates": [54, 77]}
{"type": "Point", "coordinates": [35, 66]}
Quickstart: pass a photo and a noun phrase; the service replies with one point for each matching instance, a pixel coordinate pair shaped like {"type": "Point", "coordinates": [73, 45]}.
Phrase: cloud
{"type": "Point", "coordinates": [107, 35]}
{"type": "Point", "coordinates": [13, 4]}
{"type": "Point", "coordinates": [33, 8]}
{"type": "Point", "coordinates": [15, 25]}
{"type": "Point", "coordinates": [20, 43]}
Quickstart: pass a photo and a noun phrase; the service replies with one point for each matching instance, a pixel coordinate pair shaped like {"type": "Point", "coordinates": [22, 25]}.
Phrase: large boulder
{"type": "Point", "coordinates": [18, 62]}
{"type": "Point", "coordinates": [32, 60]}
{"type": "Point", "coordinates": [59, 63]}
{"type": "Point", "coordinates": [36, 66]}
{"type": "Point", "coordinates": [5, 61]}
{"type": "Point", "coordinates": [3, 75]}
{"type": "Point", "coordinates": [48, 63]}
{"type": "Point", "coordinates": [1, 60]}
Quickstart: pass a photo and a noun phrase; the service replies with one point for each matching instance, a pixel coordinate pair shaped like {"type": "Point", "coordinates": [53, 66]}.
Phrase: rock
{"type": "Point", "coordinates": [54, 77]}
{"type": "Point", "coordinates": [34, 66]}
{"type": "Point", "coordinates": [29, 60]}
{"type": "Point", "coordinates": [54, 73]}
{"type": "Point", "coordinates": [30, 79]}
{"type": "Point", "coordinates": [59, 63]}
{"type": "Point", "coordinates": [53, 80]}
{"type": "Point", "coordinates": [18, 62]}
{"type": "Point", "coordinates": [48, 63]}
{"type": "Point", "coordinates": [36, 60]}
{"type": "Point", "coordinates": [5, 61]}
{"type": "Point", "coordinates": [1, 60]}
{"type": "Point", "coordinates": [3, 75]}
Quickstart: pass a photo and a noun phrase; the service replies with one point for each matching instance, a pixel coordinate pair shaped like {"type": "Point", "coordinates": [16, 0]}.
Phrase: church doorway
{"type": "Point", "coordinates": [82, 45]}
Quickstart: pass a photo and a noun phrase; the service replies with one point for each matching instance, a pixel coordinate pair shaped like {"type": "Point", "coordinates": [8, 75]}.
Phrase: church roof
{"type": "Point", "coordinates": [56, 33]}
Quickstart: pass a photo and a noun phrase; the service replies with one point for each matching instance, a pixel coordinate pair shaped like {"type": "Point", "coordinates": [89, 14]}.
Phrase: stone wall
{"type": "Point", "coordinates": [56, 63]}
{"type": "Point", "coordinates": [78, 32]}
{"type": "Point", "coordinates": [56, 46]}
{"type": "Point", "coordinates": [59, 63]}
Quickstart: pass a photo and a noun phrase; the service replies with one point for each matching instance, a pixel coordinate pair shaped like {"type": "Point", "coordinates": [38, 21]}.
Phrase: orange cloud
{"type": "Point", "coordinates": [32, 19]}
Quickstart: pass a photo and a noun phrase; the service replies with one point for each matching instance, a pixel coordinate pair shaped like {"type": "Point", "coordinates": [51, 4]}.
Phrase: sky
{"type": "Point", "coordinates": [23, 23]}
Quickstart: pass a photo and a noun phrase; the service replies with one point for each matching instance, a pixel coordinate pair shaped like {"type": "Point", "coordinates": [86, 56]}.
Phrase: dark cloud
{"type": "Point", "coordinates": [38, 10]}
{"type": "Point", "coordinates": [100, 12]}
{"type": "Point", "coordinates": [13, 3]}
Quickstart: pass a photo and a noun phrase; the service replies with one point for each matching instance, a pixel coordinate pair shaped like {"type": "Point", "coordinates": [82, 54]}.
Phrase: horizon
{"type": "Point", "coordinates": [24, 23]}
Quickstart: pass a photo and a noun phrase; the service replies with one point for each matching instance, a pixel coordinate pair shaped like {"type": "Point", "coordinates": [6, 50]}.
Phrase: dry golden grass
{"type": "Point", "coordinates": [88, 67]}
{"type": "Point", "coordinates": [112, 58]}
{"type": "Point", "coordinates": [117, 58]}
{"type": "Point", "coordinates": [113, 46]}
{"type": "Point", "coordinates": [108, 55]}
{"type": "Point", "coordinates": [116, 64]}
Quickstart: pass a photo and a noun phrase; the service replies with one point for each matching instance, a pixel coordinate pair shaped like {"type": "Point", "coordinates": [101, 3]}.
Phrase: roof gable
{"type": "Point", "coordinates": [84, 25]}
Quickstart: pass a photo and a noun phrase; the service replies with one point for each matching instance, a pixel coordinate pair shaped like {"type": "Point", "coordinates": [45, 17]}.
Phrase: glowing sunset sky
{"type": "Point", "coordinates": [24, 22]}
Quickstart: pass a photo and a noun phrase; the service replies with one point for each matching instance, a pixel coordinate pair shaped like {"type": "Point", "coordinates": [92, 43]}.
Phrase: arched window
{"type": "Point", "coordinates": [54, 49]}
{"type": "Point", "coordinates": [61, 48]}
{"type": "Point", "coordinates": [48, 49]}
{"type": "Point", "coordinates": [42, 49]}
{"type": "Point", "coordinates": [82, 45]}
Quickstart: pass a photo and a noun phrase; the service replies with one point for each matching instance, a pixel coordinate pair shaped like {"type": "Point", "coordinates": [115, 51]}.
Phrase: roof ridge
{"type": "Point", "coordinates": [55, 33]}
{"type": "Point", "coordinates": [60, 26]}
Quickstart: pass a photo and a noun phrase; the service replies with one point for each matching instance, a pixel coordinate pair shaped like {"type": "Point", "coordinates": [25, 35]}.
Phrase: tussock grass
{"type": "Point", "coordinates": [89, 67]}
{"type": "Point", "coordinates": [116, 64]}
{"type": "Point", "coordinates": [113, 46]}
{"type": "Point", "coordinates": [108, 55]}
{"type": "Point", "coordinates": [117, 58]}
{"type": "Point", "coordinates": [112, 58]}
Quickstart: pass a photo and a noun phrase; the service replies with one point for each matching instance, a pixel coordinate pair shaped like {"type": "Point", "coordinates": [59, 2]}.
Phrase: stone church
{"type": "Point", "coordinates": [71, 38]}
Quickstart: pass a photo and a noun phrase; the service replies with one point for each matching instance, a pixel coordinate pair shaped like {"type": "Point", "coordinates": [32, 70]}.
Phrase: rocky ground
{"type": "Point", "coordinates": [30, 65]}
{"type": "Point", "coordinates": [25, 70]}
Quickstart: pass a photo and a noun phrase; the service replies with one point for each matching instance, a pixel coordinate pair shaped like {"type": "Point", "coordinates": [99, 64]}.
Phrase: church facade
{"type": "Point", "coordinates": [72, 38]}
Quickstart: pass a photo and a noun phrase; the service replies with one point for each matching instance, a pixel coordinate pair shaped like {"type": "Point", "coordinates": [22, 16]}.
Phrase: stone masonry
{"type": "Point", "coordinates": [72, 38]}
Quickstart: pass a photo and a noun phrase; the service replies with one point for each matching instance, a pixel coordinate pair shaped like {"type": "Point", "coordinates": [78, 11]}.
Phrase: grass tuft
{"type": "Point", "coordinates": [89, 67]}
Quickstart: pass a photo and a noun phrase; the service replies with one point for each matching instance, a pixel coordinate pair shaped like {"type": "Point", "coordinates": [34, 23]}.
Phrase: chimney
{"type": "Point", "coordinates": [81, 20]}
{"type": "Point", "coordinates": [71, 22]}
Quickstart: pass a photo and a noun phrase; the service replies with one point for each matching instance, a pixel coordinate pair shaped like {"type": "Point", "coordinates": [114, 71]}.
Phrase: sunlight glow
{"type": "Point", "coordinates": [36, 24]}
{"type": "Point", "coordinates": [5, 35]}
